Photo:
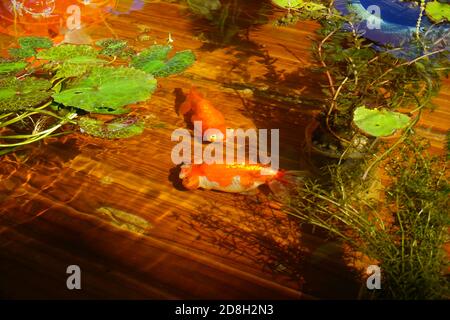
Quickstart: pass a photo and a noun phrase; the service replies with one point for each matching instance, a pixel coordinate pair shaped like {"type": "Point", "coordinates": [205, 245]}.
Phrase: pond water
{"type": "Point", "coordinates": [116, 207]}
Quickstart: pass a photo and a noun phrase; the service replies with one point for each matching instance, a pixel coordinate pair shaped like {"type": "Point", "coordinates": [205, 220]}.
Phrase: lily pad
{"type": "Point", "coordinates": [108, 89]}
{"type": "Point", "coordinates": [35, 42]}
{"type": "Point", "coordinates": [11, 65]}
{"type": "Point", "coordinates": [28, 46]}
{"type": "Point", "coordinates": [67, 51]}
{"type": "Point", "coordinates": [21, 53]}
{"type": "Point", "coordinates": [437, 11]}
{"type": "Point", "coordinates": [123, 127]}
{"type": "Point", "coordinates": [154, 61]}
{"type": "Point", "coordinates": [18, 95]}
{"type": "Point", "coordinates": [298, 4]}
{"type": "Point", "coordinates": [77, 66]}
{"type": "Point", "coordinates": [379, 123]}
{"type": "Point", "coordinates": [114, 48]}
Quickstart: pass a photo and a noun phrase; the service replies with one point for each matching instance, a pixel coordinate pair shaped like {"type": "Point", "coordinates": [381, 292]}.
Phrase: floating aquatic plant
{"type": "Point", "coordinates": [123, 127]}
{"type": "Point", "coordinates": [79, 80]}
{"type": "Point", "coordinates": [11, 66]}
{"type": "Point", "coordinates": [18, 94]}
{"type": "Point", "coordinates": [107, 90]}
{"type": "Point", "coordinates": [438, 11]}
{"type": "Point", "coordinates": [28, 46]}
{"type": "Point", "coordinates": [114, 48]}
{"type": "Point", "coordinates": [154, 61]}
{"type": "Point", "coordinates": [379, 123]}
{"type": "Point", "coordinates": [298, 4]}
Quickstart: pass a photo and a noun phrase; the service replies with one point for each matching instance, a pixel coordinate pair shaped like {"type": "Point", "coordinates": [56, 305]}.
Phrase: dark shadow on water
{"type": "Point", "coordinates": [309, 261]}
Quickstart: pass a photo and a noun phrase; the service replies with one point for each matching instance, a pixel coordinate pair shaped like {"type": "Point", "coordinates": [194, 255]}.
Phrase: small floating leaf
{"type": "Point", "coordinates": [114, 48]}
{"type": "Point", "coordinates": [379, 123]}
{"type": "Point", "coordinates": [437, 11]}
{"type": "Point", "coordinates": [153, 61]}
{"type": "Point", "coordinates": [28, 46]}
{"type": "Point", "coordinates": [76, 67]}
{"type": "Point", "coordinates": [179, 62]}
{"type": "Point", "coordinates": [11, 65]}
{"type": "Point", "coordinates": [124, 127]}
{"type": "Point", "coordinates": [22, 94]}
{"type": "Point", "coordinates": [108, 89]}
{"type": "Point", "coordinates": [35, 42]}
{"type": "Point", "coordinates": [22, 53]}
{"type": "Point", "coordinates": [67, 51]}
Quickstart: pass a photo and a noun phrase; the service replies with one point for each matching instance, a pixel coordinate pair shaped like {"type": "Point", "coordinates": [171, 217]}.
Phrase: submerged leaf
{"type": "Point", "coordinates": [125, 220]}
{"type": "Point", "coordinates": [124, 127]}
{"type": "Point", "coordinates": [153, 61]}
{"type": "Point", "coordinates": [22, 94]}
{"type": "Point", "coordinates": [379, 123]}
{"type": "Point", "coordinates": [11, 65]}
{"type": "Point", "coordinates": [108, 89]}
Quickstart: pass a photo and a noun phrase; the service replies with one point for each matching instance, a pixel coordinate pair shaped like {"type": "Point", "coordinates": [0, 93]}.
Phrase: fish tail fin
{"type": "Point", "coordinates": [186, 106]}
{"type": "Point", "coordinates": [285, 182]}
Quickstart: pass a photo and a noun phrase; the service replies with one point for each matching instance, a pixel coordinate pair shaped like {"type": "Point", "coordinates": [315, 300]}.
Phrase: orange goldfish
{"type": "Point", "coordinates": [202, 110]}
{"type": "Point", "coordinates": [235, 178]}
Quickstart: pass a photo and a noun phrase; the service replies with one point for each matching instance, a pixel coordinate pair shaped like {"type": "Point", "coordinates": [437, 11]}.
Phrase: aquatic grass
{"type": "Point", "coordinates": [404, 234]}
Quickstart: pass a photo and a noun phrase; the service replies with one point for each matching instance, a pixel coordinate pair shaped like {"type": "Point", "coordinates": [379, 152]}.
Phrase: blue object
{"type": "Point", "coordinates": [391, 22]}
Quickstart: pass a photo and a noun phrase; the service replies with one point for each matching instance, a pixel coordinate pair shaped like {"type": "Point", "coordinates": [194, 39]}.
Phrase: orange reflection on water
{"type": "Point", "coordinates": [50, 17]}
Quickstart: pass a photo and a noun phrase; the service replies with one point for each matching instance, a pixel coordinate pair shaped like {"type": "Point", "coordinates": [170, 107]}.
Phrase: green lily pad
{"type": "Point", "coordinates": [298, 4]}
{"type": "Point", "coordinates": [11, 66]}
{"type": "Point", "coordinates": [108, 89]}
{"type": "Point", "coordinates": [35, 42]}
{"type": "Point", "coordinates": [379, 123]}
{"type": "Point", "coordinates": [154, 61]}
{"type": "Point", "coordinates": [21, 53]}
{"type": "Point", "coordinates": [67, 51]}
{"type": "Point", "coordinates": [18, 95]}
{"type": "Point", "coordinates": [115, 48]}
{"type": "Point", "coordinates": [76, 67]}
{"type": "Point", "coordinates": [28, 46]}
{"type": "Point", "coordinates": [438, 11]}
{"type": "Point", "coordinates": [123, 127]}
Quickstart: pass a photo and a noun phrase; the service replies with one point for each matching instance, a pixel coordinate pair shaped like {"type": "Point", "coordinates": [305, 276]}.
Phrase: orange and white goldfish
{"type": "Point", "coordinates": [234, 178]}
{"type": "Point", "coordinates": [202, 110]}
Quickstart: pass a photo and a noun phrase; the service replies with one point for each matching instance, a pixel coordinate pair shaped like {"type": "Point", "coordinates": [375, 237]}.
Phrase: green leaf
{"type": "Point", "coordinates": [21, 53]}
{"type": "Point", "coordinates": [297, 4]}
{"type": "Point", "coordinates": [123, 127]}
{"type": "Point", "coordinates": [77, 66]}
{"type": "Point", "coordinates": [67, 51]}
{"type": "Point", "coordinates": [379, 123]}
{"type": "Point", "coordinates": [145, 59]}
{"type": "Point", "coordinates": [114, 48]}
{"type": "Point", "coordinates": [10, 65]}
{"type": "Point", "coordinates": [438, 11]}
{"type": "Point", "coordinates": [18, 95]}
{"type": "Point", "coordinates": [179, 62]}
{"type": "Point", "coordinates": [153, 61]}
{"type": "Point", "coordinates": [35, 42]}
{"type": "Point", "coordinates": [108, 89]}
